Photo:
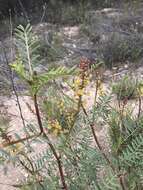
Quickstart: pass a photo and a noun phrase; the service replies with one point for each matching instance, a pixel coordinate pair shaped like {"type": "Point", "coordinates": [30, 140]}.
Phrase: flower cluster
{"type": "Point", "coordinates": [66, 114]}
{"type": "Point", "coordinates": [14, 150]}
{"type": "Point", "coordinates": [55, 127]}
{"type": "Point", "coordinates": [85, 64]}
{"type": "Point", "coordinates": [60, 105]}
{"type": "Point", "coordinates": [81, 81]}
{"type": "Point", "coordinates": [79, 85]}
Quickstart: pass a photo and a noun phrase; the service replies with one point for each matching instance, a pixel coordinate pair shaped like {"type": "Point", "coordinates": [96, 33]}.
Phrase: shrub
{"type": "Point", "coordinates": [51, 49]}
{"type": "Point", "coordinates": [118, 50]}
{"type": "Point", "coordinates": [126, 88]}
{"type": "Point", "coordinates": [116, 35]}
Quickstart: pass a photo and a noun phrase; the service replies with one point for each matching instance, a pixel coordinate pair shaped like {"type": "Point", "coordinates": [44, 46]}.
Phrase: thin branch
{"type": "Point", "coordinates": [57, 157]}
{"type": "Point", "coordinates": [13, 85]}
{"type": "Point", "coordinates": [121, 180]}
{"type": "Point", "coordinates": [96, 139]}
{"type": "Point", "coordinates": [23, 9]}
{"type": "Point", "coordinates": [38, 114]}
{"type": "Point", "coordinates": [6, 144]}
{"type": "Point", "coordinates": [101, 150]}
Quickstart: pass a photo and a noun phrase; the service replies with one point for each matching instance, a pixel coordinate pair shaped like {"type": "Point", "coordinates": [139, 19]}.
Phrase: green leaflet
{"type": "Point", "coordinates": [27, 45]}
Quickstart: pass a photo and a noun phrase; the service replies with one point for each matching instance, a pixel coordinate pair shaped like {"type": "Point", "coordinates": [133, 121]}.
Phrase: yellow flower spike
{"type": "Point", "coordinates": [58, 126]}
{"type": "Point", "coordinates": [61, 105]}
{"type": "Point", "coordinates": [100, 92]}
{"type": "Point", "coordinates": [49, 126]}
{"type": "Point", "coordinates": [14, 150]}
{"type": "Point", "coordinates": [80, 84]}
{"type": "Point", "coordinates": [100, 88]}
{"type": "Point", "coordinates": [86, 82]}
{"type": "Point", "coordinates": [77, 82]}
{"type": "Point", "coordinates": [55, 127]}
{"type": "Point", "coordinates": [55, 132]}
{"type": "Point", "coordinates": [80, 92]}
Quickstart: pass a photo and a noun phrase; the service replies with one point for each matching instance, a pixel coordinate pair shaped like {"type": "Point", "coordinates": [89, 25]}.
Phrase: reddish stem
{"type": "Point", "coordinates": [58, 158]}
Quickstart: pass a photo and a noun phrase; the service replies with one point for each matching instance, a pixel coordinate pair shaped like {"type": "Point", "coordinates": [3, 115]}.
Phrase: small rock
{"type": "Point", "coordinates": [125, 66]}
{"type": "Point", "coordinates": [26, 175]}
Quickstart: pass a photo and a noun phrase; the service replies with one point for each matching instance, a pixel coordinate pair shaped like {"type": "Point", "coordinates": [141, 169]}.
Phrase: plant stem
{"type": "Point", "coordinates": [122, 183]}
{"type": "Point", "coordinates": [18, 141]}
{"type": "Point", "coordinates": [38, 114]}
{"type": "Point", "coordinates": [57, 157]}
{"type": "Point", "coordinates": [96, 139]}
{"type": "Point", "coordinates": [13, 85]}
{"type": "Point", "coordinates": [100, 148]}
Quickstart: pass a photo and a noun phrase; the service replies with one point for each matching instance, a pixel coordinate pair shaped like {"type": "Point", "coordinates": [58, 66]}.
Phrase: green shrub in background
{"type": "Point", "coordinates": [117, 49]}
{"type": "Point", "coordinates": [51, 50]}
{"type": "Point", "coordinates": [115, 34]}
{"type": "Point", "coordinates": [126, 88]}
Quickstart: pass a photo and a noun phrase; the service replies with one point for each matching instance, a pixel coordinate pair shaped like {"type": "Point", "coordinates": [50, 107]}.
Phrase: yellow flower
{"type": "Point", "coordinates": [55, 127]}
{"type": "Point", "coordinates": [100, 88]}
{"type": "Point", "coordinates": [61, 105]}
{"type": "Point", "coordinates": [55, 132]}
{"type": "Point", "coordinates": [58, 126]}
{"type": "Point", "coordinates": [77, 82]}
{"type": "Point", "coordinates": [80, 84]}
{"type": "Point", "coordinates": [79, 92]}
{"type": "Point", "coordinates": [15, 150]}
{"type": "Point", "coordinates": [86, 81]}
{"type": "Point", "coordinates": [100, 92]}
